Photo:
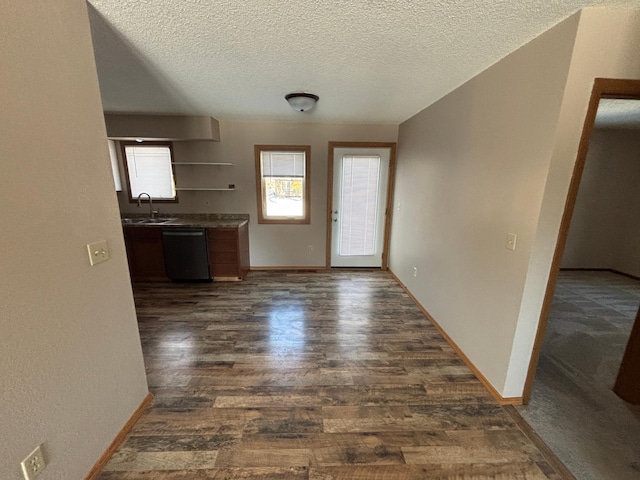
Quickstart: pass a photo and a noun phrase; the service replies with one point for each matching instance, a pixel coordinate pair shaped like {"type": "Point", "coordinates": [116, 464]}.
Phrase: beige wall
{"type": "Point", "coordinates": [606, 47]}
{"type": "Point", "coordinates": [605, 228]}
{"type": "Point", "coordinates": [472, 168]}
{"type": "Point", "coordinates": [70, 357]}
{"type": "Point", "coordinates": [270, 245]}
{"type": "Point", "coordinates": [496, 156]}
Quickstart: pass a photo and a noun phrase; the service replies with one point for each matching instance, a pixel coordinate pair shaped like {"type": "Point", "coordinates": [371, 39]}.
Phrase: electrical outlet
{"type": "Point", "coordinates": [415, 271]}
{"type": "Point", "coordinates": [33, 464]}
{"type": "Point", "coordinates": [311, 248]}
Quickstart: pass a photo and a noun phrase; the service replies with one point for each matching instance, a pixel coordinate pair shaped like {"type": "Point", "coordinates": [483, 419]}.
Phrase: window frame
{"type": "Point", "coordinates": [123, 153]}
{"type": "Point", "coordinates": [260, 191]}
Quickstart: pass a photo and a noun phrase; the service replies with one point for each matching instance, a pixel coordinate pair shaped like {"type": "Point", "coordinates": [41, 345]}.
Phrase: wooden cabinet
{"type": "Point", "coordinates": [145, 253]}
{"type": "Point", "coordinates": [229, 252]}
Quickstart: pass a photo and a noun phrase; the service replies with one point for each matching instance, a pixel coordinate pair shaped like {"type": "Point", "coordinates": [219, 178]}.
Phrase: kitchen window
{"type": "Point", "coordinates": [149, 169]}
{"type": "Point", "coordinates": [282, 182]}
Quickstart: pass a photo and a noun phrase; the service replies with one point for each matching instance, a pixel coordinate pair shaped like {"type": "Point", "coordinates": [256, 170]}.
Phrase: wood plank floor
{"type": "Point", "coordinates": [327, 375]}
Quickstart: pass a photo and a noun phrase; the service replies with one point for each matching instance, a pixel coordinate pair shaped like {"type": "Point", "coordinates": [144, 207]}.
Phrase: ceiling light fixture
{"type": "Point", "coordinates": [301, 101]}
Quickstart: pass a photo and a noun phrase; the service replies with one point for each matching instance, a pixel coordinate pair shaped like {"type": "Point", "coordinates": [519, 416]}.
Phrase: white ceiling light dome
{"type": "Point", "coordinates": [301, 101]}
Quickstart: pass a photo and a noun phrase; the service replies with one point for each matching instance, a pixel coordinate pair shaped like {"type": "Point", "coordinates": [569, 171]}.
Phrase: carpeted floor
{"type": "Point", "coordinates": [594, 432]}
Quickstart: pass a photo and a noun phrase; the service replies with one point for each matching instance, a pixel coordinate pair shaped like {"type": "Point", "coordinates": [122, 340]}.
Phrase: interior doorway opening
{"type": "Point", "coordinates": [590, 305]}
{"type": "Point", "coordinates": [602, 89]}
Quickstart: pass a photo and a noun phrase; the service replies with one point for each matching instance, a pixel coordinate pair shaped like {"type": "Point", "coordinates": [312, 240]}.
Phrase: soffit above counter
{"type": "Point", "coordinates": [162, 127]}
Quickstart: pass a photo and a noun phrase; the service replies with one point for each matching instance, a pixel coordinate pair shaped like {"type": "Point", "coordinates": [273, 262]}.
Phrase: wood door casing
{"type": "Point", "coordinates": [602, 88]}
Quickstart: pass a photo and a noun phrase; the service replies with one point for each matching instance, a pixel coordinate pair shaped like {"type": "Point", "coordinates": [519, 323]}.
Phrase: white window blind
{"type": "Point", "coordinates": [149, 168]}
{"type": "Point", "coordinates": [282, 164]}
{"type": "Point", "coordinates": [360, 191]}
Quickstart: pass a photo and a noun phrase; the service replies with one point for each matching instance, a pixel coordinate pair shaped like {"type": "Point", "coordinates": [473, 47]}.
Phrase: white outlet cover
{"type": "Point", "coordinates": [98, 252]}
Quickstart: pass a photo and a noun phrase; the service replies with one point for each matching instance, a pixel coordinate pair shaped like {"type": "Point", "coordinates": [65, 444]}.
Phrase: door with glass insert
{"type": "Point", "coordinates": [360, 181]}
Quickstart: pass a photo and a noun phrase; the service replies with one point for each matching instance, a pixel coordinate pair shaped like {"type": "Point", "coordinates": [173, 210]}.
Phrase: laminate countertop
{"type": "Point", "coordinates": [204, 220]}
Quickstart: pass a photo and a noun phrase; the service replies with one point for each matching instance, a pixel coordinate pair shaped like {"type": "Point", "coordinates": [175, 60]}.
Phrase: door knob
{"type": "Point", "coordinates": [335, 219]}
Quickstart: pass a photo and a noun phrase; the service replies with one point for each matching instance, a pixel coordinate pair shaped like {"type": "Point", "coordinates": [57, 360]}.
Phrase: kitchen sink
{"type": "Point", "coordinates": [157, 220]}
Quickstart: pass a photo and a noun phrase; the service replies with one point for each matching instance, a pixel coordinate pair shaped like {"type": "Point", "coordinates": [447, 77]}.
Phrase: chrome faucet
{"type": "Point", "coordinates": [152, 213]}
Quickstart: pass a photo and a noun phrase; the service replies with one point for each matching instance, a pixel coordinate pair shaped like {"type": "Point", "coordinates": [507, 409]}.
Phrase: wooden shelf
{"type": "Point", "coordinates": [206, 189]}
{"type": "Point", "coordinates": [203, 163]}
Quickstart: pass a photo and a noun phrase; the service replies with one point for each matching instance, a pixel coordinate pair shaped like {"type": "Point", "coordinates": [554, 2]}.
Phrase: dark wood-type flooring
{"type": "Point", "coordinates": [327, 375]}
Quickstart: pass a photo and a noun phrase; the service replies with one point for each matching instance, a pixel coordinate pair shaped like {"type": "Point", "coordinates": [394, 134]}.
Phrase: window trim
{"type": "Point", "coordinates": [262, 218]}
{"type": "Point", "coordinates": [123, 145]}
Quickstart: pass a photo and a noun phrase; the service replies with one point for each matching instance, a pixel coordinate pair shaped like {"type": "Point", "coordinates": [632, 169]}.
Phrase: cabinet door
{"type": "Point", "coordinates": [223, 253]}
{"type": "Point", "coordinates": [145, 253]}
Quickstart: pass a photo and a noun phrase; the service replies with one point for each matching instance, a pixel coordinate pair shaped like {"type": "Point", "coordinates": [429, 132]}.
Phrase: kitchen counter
{"type": "Point", "coordinates": [205, 220]}
{"type": "Point", "coordinates": [227, 244]}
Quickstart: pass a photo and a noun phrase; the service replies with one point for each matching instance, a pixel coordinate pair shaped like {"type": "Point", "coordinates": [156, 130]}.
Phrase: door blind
{"type": "Point", "coordinates": [360, 191]}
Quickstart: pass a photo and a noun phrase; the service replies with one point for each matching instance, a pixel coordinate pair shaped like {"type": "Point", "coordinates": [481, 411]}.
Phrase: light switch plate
{"type": "Point", "coordinates": [511, 241]}
{"type": "Point", "coordinates": [98, 252]}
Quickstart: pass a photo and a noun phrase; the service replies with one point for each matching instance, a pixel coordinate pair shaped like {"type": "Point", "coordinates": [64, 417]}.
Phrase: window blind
{"type": "Point", "coordinates": [149, 169]}
{"type": "Point", "coordinates": [360, 191]}
{"type": "Point", "coordinates": [282, 164]}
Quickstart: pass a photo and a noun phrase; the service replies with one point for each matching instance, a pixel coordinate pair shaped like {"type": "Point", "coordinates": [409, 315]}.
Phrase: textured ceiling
{"type": "Point", "coordinates": [370, 61]}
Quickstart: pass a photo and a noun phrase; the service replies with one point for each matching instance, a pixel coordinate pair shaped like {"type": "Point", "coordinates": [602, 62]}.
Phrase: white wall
{"type": "Point", "coordinates": [605, 228]}
{"type": "Point", "coordinates": [606, 47]}
{"type": "Point", "coordinates": [70, 357]}
{"type": "Point", "coordinates": [270, 245]}
{"type": "Point", "coordinates": [472, 168]}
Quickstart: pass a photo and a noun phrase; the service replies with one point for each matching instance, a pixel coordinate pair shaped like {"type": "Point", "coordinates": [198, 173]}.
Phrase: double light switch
{"type": "Point", "coordinates": [98, 252]}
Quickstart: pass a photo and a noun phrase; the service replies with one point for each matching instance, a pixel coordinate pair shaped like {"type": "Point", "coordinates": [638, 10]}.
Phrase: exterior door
{"type": "Point", "coordinates": [360, 183]}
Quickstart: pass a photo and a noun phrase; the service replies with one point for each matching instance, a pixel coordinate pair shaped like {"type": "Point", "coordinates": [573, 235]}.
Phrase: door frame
{"type": "Point", "coordinates": [390, 183]}
{"type": "Point", "coordinates": [602, 88]}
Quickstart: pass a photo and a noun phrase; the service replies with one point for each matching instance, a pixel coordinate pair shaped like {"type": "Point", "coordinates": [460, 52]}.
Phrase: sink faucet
{"type": "Point", "coordinates": [152, 213]}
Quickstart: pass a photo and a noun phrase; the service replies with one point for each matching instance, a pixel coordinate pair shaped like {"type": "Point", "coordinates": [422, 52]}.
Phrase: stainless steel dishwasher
{"type": "Point", "coordinates": [186, 255]}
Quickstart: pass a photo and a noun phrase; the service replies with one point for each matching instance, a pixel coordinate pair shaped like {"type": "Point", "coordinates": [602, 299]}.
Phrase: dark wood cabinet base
{"type": "Point", "coordinates": [228, 253]}
{"type": "Point", "coordinates": [145, 254]}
